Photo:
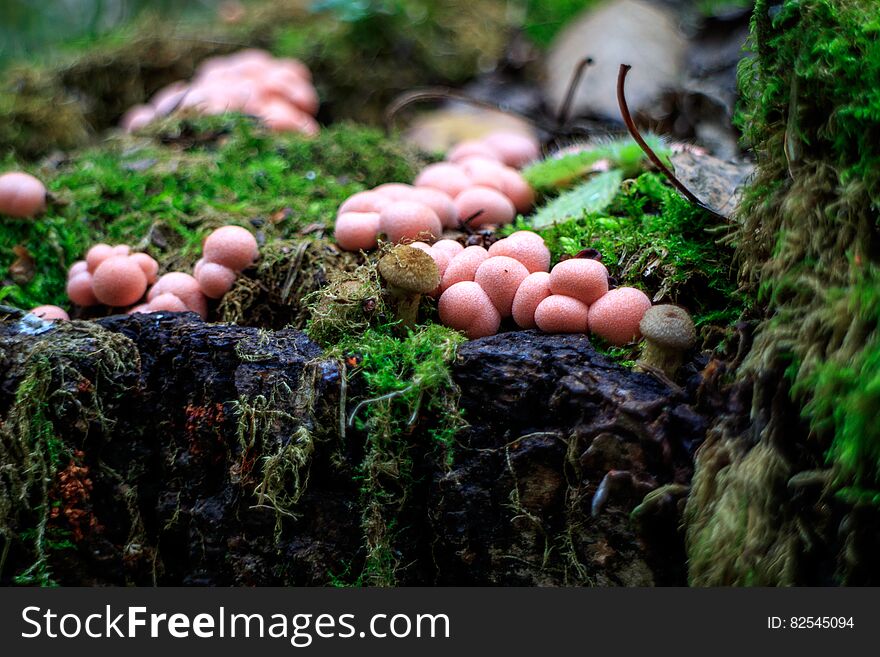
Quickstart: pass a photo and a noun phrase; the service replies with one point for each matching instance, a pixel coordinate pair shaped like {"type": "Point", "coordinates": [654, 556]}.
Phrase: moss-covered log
{"type": "Point", "coordinates": [172, 451]}
{"type": "Point", "coordinates": [789, 493]}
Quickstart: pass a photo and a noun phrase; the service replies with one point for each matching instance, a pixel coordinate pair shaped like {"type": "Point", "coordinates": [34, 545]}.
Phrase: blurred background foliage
{"type": "Point", "coordinates": [30, 30]}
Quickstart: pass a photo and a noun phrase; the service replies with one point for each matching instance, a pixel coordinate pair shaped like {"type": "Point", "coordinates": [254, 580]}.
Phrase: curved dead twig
{"type": "Point", "coordinates": [636, 135]}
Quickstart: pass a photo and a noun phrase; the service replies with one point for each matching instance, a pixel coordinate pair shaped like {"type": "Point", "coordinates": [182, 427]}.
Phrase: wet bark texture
{"type": "Point", "coordinates": [562, 446]}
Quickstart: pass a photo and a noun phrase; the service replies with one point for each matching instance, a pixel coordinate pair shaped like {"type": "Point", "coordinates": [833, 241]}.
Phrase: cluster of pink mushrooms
{"type": "Point", "coordinates": [278, 91]}
{"type": "Point", "coordinates": [115, 277]}
{"type": "Point", "coordinates": [478, 185]}
{"type": "Point", "coordinates": [512, 278]}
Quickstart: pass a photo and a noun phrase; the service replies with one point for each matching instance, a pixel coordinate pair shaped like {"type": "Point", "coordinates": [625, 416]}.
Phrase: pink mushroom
{"type": "Point", "coordinates": [532, 291]}
{"type": "Point", "coordinates": [580, 278]}
{"type": "Point", "coordinates": [409, 220]}
{"type": "Point", "coordinates": [98, 254]}
{"type": "Point", "coordinates": [451, 247]}
{"type": "Point", "coordinates": [137, 117]}
{"type": "Point", "coordinates": [440, 202]}
{"type": "Point", "coordinates": [77, 267]}
{"type": "Point", "coordinates": [500, 277]}
{"type": "Point", "coordinates": [231, 246]}
{"type": "Point", "coordinates": [466, 307]}
{"type": "Point", "coordinates": [472, 148]}
{"type": "Point", "coordinates": [442, 258]}
{"type": "Point", "coordinates": [517, 190]}
{"type": "Point", "coordinates": [364, 202]}
{"type": "Point", "coordinates": [445, 176]}
{"type": "Point", "coordinates": [493, 206]}
{"type": "Point", "coordinates": [526, 247]}
{"type": "Point", "coordinates": [50, 313]}
{"type": "Point", "coordinates": [463, 267]}
{"type": "Point", "coordinates": [357, 230]}
{"type": "Point", "coordinates": [615, 317]}
{"type": "Point", "coordinates": [281, 116]}
{"type": "Point", "coordinates": [215, 280]}
{"type": "Point", "coordinates": [484, 172]}
{"type": "Point", "coordinates": [168, 98]}
{"type": "Point", "coordinates": [183, 286]}
{"type": "Point", "coordinates": [166, 302]}
{"type": "Point", "coordinates": [394, 191]}
{"type": "Point", "coordinates": [148, 265]}
{"type": "Point", "coordinates": [119, 281]}
{"type": "Point", "coordinates": [561, 314]}
{"type": "Point", "coordinates": [514, 149]}
{"type": "Point", "coordinates": [21, 195]}
{"type": "Point", "coordinates": [80, 291]}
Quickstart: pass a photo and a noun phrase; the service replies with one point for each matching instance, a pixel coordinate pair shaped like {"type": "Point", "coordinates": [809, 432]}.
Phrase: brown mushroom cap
{"type": "Point", "coordinates": [669, 326]}
{"type": "Point", "coordinates": [410, 270]}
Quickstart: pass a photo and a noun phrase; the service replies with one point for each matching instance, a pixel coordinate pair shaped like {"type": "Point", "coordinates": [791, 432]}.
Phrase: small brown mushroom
{"type": "Point", "coordinates": [669, 332]}
{"type": "Point", "coordinates": [409, 273]}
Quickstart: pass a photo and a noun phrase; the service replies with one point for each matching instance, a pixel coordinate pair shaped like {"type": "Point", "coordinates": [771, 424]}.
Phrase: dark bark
{"type": "Point", "coordinates": [170, 496]}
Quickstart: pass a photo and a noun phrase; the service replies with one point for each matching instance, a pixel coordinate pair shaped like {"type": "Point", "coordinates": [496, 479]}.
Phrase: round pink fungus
{"type": "Point", "coordinates": [463, 266]}
{"type": "Point", "coordinates": [409, 220]}
{"type": "Point", "coordinates": [515, 150]}
{"type": "Point", "coordinates": [119, 281]}
{"type": "Point", "coordinates": [148, 265]}
{"type": "Point", "coordinates": [493, 206]}
{"type": "Point", "coordinates": [562, 314]}
{"type": "Point", "coordinates": [357, 230]}
{"type": "Point", "coordinates": [532, 291]}
{"type": "Point", "coordinates": [580, 278]}
{"type": "Point", "coordinates": [50, 313]}
{"type": "Point", "coordinates": [500, 278]}
{"type": "Point", "coordinates": [215, 280]}
{"type": "Point", "coordinates": [615, 317]}
{"type": "Point", "coordinates": [532, 253]}
{"type": "Point", "coordinates": [231, 246]}
{"type": "Point", "coordinates": [364, 202]}
{"type": "Point", "coordinates": [466, 307]}
{"type": "Point", "coordinates": [166, 302]}
{"type": "Point", "coordinates": [445, 176]}
{"type": "Point", "coordinates": [80, 291]}
{"type": "Point", "coordinates": [21, 195]}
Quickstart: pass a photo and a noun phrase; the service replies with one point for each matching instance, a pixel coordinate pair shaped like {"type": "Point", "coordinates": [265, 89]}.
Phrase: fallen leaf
{"type": "Point", "coordinates": [23, 269]}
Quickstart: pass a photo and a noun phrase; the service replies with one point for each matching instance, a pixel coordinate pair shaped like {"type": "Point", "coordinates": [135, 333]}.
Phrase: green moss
{"type": "Point", "coordinates": [811, 112]}
{"type": "Point", "coordinates": [408, 386]}
{"type": "Point", "coordinates": [65, 385]}
{"type": "Point", "coordinates": [844, 394]}
{"type": "Point", "coordinates": [807, 249]}
{"type": "Point", "coordinates": [550, 175]}
{"type": "Point", "coordinates": [165, 194]}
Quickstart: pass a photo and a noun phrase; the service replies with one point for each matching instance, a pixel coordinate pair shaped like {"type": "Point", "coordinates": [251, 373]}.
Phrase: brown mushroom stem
{"type": "Point", "coordinates": [408, 273]}
{"type": "Point", "coordinates": [406, 305]}
{"type": "Point", "coordinates": [664, 358]}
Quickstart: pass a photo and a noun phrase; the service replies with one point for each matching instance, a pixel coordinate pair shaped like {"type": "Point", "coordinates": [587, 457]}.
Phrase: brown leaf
{"type": "Point", "coordinates": [23, 269]}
